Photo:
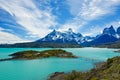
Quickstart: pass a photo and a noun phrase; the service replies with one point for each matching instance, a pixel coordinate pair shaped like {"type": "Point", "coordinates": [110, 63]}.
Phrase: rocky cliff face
{"type": "Point", "coordinates": [118, 31]}
{"type": "Point", "coordinates": [62, 37]}
{"type": "Point", "coordinates": [110, 31]}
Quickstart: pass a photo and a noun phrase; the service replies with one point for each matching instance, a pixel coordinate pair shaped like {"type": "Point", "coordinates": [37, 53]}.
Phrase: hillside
{"type": "Point", "coordinates": [110, 45]}
{"type": "Point", "coordinates": [41, 45]}
{"type": "Point", "coordinates": [109, 70]}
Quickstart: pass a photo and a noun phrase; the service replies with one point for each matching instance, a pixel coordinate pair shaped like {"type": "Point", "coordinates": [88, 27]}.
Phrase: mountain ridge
{"type": "Point", "coordinates": [72, 39]}
{"type": "Point", "coordinates": [65, 37]}
{"type": "Point", "coordinates": [108, 35]}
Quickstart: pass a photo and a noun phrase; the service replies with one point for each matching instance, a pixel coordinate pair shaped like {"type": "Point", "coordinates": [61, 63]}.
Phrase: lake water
{"type": "Point", "coordinates": [40, 69]}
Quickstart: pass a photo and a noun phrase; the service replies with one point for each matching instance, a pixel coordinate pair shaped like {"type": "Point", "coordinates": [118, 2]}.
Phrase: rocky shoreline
{"type": "Point", "coordinates": [109, 70]}
{"type": "Point", "coordinates": [57, 75]}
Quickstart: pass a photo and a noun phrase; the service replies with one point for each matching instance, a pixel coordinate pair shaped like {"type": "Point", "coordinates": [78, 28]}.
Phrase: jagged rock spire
{"type": "Point", "coordinates": [70, 30]}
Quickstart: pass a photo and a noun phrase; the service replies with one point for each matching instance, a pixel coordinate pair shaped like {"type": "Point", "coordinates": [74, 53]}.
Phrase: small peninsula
{"type": "Point", "coordinates": [31, 54]}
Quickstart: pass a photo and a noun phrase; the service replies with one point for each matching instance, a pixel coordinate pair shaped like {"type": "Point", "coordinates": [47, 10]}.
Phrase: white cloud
{"type": "Point", "coordinates": [75, 6]}
{"type": "Point", "coordinates": [95, 30]}
{"type": "Point", "coordinates": [1, 29]}
{"type": "Point", "coordinates": [115, 24]}
{"type": "Point", "coordinates": [88, 10]}
{"type": "Point", "coordinates": [28, 15]}
{"type": "Point", "coordinates": [6, 37]}
{"type": "Point", "coordinates": [92, 9]}
{"type": "Point", "coordinates": [74, 24]}
{"type": "Point", "coordinates": [98, 8]}
{"type": "Point", "coordinates": [37, 22]}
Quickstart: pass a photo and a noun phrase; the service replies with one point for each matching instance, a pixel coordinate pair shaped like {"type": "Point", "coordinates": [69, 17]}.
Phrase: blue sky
{"type": "Point", "coordinates": [29, 20]}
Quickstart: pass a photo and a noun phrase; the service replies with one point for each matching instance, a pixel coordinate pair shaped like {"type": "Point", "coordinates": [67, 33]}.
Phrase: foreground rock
{"type": "Point", "coordinates": [110, 70]}
{"type": "Point", "coordinates": [57, 76]}
{"type": "Point", "coordinates": [30, 54]}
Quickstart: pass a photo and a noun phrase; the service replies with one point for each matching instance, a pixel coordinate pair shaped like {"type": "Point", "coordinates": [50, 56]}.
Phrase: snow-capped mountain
{"type": "Point", "coordinates": [88, 38]}
{"type": "Point", "coordinates": [108, 35]}
{"type": "Point", "coordinates": [110, 31]}
{"type": "Point", "coordinates": [118, 31]}
{"type": "Point", "coordinates": [64, 37]}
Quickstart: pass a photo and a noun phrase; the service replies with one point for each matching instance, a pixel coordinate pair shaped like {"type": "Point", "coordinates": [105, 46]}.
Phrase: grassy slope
{"type": "Point", "coordinates": [31, 54]}
{"type": "Point", "coordinates": [109, 70]}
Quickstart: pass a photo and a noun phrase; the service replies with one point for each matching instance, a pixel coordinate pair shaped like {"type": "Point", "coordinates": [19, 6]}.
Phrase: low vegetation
{"type": "Point", "coordinates": [41, 45]}
{"type": "Point", "coordinates": [109, 70]}
{"type": "Point", "coordinates": [110, 45]}
{"type": "Point", "coordinates": [30, 54]}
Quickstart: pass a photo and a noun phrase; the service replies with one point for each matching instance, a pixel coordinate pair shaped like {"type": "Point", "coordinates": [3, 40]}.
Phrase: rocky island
{"type": "Point", "coordinates": [31, 54]}
{"type": "Point", "coordinates": [109, 70]}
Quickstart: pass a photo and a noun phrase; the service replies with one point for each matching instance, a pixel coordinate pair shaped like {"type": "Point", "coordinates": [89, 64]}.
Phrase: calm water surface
{"type": "Point", "coordinates": [40, 69]}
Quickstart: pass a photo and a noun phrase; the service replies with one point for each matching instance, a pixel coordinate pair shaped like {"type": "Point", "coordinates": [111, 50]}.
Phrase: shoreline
{"type": "Point", "coordinates": [111, 67]}
{"type": "Point", "coordinates": [33, 54]}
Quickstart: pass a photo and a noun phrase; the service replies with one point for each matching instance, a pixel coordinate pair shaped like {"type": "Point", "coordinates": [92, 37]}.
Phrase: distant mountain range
{"type": "Point", "coordinates": [66, 37]}
{"type": "Point", "coordinates": [71, 39]}
{"type": "Point", "coordinates": [108, 35]}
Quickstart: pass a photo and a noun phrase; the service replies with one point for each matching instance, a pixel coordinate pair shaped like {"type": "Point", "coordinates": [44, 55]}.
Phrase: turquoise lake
{"type": "Point", "coordinates": [40, 69]}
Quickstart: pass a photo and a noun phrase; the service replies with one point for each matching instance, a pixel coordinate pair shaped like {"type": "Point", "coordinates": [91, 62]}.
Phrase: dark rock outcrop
{"type": "Point", "coordinates": [118, 31]}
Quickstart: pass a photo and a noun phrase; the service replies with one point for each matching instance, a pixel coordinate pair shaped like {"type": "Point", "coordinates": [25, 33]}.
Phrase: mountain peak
{"type": "Point", "coordinates": [70, 30]}
{"type": "Point", "coordinates": [62, 37]}
{"type": "Point", "coordinates": [109, 31]}
{"type": "Point", "coordinates": [54, 30]}
{"type": "Point", "coordinates": [118, 31]}
{"type": "Point", "coordinates": [111, 27]}
{"type": "Point", "coordinates": [109, 35]}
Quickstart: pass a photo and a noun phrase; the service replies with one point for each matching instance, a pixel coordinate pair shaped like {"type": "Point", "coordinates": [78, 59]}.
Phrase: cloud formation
{"type": "Point", "coordinates": [8, 37]}
{"type": "Point", "coordinates": [29, 16]}
{"type": "Point", "coordinates": [88, 10]}
{"type": "Point", "coordinates": [92, 9]}
{"type": "Point", "coordinates": [36, 18]}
